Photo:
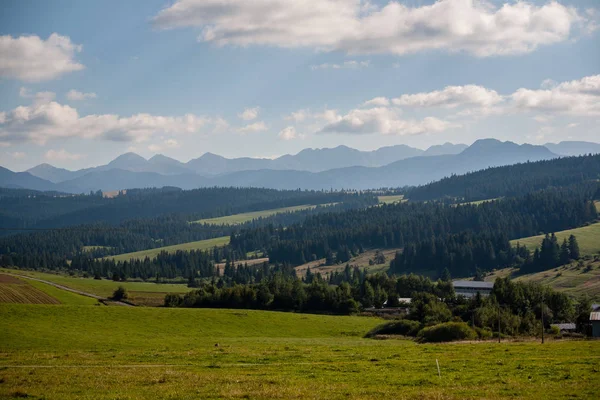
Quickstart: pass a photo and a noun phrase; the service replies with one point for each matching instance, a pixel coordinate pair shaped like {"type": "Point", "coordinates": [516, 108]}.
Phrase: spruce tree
{"type": "Point", "coordinates": [574, 248]}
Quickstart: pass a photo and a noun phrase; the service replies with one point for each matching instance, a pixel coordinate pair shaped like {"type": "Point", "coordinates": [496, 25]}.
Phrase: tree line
{"type": "Point", "coordinates": [511, 180]}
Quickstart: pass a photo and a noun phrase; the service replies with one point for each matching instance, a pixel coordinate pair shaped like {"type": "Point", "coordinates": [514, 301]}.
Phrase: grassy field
{"type": "Point", "coordinates": [140, 353]}
{"type": "Point", "coordinates": [199, 245]}
{"type": "Point", "coordinates": [573, 279]}
{"type": "Point", "coordinates": [361, 261]}
{"type": "Point", "coordinates": [588, 238]}
{"type": "Point", "coordinates": [140, 293]}
{"type": "Point", "coordinates": [391, 199]}
{"type": "Point", "coordinates": [249, 216]}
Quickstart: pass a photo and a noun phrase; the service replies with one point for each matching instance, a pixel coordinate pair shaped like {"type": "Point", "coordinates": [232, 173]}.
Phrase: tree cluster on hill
{"type": "Point", "coordinates": [479, 234]}
{"type": "Point", "coordinates": [551, 255]}
{"type": "Point", "coordinates": [514, 308]}
{"type": "Point", "coordinates": [511, 180]}
{"type": "Point", "coordinates": [41, 210]}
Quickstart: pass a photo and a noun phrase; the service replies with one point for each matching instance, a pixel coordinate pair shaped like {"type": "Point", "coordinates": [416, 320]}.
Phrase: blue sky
{"type": "Point", "coordinates": [271, 77]}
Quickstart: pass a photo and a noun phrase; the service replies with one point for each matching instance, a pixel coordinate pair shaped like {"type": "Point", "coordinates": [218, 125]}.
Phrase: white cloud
{"type": "Point", "coordinates": [62, 155]}
{"type": "Point", "coordinates": [572, 125]}
{"type": "Point", "coordinates": [345, 65]}
{"type": "Point", "coordinates": [17, 155]}
{"type": "Point", "coordinates": [41, 122]}
{"type": "Point", "coordinates": [385, 121]}
{"type": "Point", "coordinates": [75, 95]}
{"type": "Point", "coordinates": [298, 116]}
{"type": "Point", "coordinates": [167, 144]}
{"type": "Point", "coordinates": [474, 26]}
{"type": "Point", "coordinates": [451, 97]}
{"type": "Point", "coordinates": [38, 98]}
{"type": "Point", "coordinates": [289, 133]}
{"type": "Point", "coordinates": [220, 125]}
{"type": "Point", "coordinates": [377, 101]}
{"type": "Point", "coordinates": [32, 59]}
{"type": "Point", "coordinates": [249, 113]}
{"type": "Point", "coordinates": [255, 127]}
{"type": "Point", "coordinates": [542, 119]}
{"type": "Point", "coordinates": [578, 98]}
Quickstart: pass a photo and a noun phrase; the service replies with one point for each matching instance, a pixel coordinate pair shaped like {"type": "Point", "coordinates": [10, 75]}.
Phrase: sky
{"type": "Point", "coordinates": [82, 82]}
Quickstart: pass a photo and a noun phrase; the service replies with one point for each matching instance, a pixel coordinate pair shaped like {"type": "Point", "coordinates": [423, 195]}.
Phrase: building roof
{"type": "Point", "coordinates": [595, 316]}
{"type": "Point", "coordinates": [473, 284]}
{"type": "Point", "coordinates": [565, 327]}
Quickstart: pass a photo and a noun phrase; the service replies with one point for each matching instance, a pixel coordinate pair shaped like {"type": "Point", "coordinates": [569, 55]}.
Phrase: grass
{"type": "Point", "coordinates": [140, 293]}
{"type": "Point", "coordinates": [15, 290]}
{"type": "Point", "coordinates": [64, 296]}
{"type": "Point", "coordinates": [151, 253]}
{"type": "Point", "coordinates": [574, 279]}
{"type": "Point", "coordinates": [249, 216]}
{"type": "Point", "coordinates": [361, 261]}
{"type": "Point", "coordinates": [588, 238]}
{"type": "Point", "coordinates": [391, 199]}
{"type": "Point", "coordinates": [139, 353]}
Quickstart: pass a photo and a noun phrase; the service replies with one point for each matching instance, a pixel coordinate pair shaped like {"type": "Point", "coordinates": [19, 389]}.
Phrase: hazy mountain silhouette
{"type": "Point", "coordinates": [133, 171]}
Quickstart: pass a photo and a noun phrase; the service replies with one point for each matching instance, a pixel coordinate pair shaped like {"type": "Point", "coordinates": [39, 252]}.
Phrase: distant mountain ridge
{"type": "Point", "coordinates": [133, 171]}
{"type": "Point", "coordinates": [209, 164]}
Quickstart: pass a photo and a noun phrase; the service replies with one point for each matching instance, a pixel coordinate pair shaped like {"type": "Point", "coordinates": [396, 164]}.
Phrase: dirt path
{"type": "Point", "coordinates": [68, 289]}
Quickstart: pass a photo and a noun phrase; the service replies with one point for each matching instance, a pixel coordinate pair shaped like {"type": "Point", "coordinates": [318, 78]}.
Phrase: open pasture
{"type": "Point", "coordinates": [573, 279]}
{"type": "Point", "coordinates": [391, 199]}
{"type": "Point", "coordinates": [140, 293]}
{"type": "Point", "coordinates": [588, 238]}
{"type": "Point", "coordinates": [249, 216]}
{"type": "Point", "coordinates": [198, 245]}
{"type": "Point", "coordinates": [139, 353]}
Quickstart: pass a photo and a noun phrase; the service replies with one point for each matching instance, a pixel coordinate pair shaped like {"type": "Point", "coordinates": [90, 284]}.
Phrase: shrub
{"type": "Point", "coordinates": [483, 333]}
{"type": "Point", "coordinates": [120, 294]}
{"type": "Point", "coordinates": [173, 300]}
{"type": "Point", "coordinates": [446, 332]}
{"type": "Point", "coordinates": [404, 327]}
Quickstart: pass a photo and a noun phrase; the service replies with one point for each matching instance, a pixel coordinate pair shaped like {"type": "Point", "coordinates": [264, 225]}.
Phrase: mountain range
{"type": "Point", "coordinates": [339, 167]}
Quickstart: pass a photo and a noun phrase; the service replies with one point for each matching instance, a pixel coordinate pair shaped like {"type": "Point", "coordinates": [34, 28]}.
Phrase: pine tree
{"type": "Point", "coordinates": [565, 253]}
{"type": "Point", "coordinates": [574, 248]}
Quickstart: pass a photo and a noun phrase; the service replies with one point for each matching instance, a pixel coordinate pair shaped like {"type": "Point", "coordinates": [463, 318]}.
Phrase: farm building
{"type": "Point", "coordinates": [471, 288]}
{"type": "Point", "coordinates": [595, 322]}
{"type": "Point", "coordinates": [564, 328]}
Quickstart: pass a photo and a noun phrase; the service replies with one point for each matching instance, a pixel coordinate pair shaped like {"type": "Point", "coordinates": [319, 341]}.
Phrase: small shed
{"type": "Point", "coordinates": [595, 322]}
{"type": "Point", "coordinates": [564, 328]}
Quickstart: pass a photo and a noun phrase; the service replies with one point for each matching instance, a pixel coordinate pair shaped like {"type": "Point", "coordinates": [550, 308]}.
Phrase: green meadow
{"type": "Point", "coordinates": [588, 238]}
{"type": "Point", "coordinates": [249, 216]}
{"type": "Point", "coordinates": [391, 199]}
{"type": "Point", "coordinates": [198, 245]}
{"type": "Point", "coordinates": [87, 352]}
{"type": "Point", "coordinates": [140, 293]}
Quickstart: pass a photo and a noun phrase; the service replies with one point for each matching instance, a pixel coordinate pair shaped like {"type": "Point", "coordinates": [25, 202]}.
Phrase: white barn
{"type": "Point", "coordinates": [471, 288]}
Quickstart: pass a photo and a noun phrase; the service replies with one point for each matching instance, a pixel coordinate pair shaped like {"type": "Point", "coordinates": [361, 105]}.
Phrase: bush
{"type": "Point", "coordinates": [404, 327]}
{"type": "Point", "coordinates": [120, 294]}
{"type": "Point", "coordinates": [173, 300]}
{"type": "Point", "coordinates": [446, 332]}
{"type": "Point", "coordinates": [483, 333]}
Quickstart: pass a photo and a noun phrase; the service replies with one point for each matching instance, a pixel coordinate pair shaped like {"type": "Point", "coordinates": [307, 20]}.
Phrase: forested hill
{"type": "Point", "coordinates": [492, 224]}
{"type": "Point", "coordinates": [511, 180]}
{"type": "Point", "coordinates": [41, 210]}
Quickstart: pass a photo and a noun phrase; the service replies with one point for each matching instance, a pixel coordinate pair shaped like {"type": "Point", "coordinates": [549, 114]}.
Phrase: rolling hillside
{"type": "Point", "coordinates": [199, 245]}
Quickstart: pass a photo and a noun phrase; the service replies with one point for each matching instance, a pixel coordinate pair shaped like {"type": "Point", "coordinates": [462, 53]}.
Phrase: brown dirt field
{"type": "Point", "coordinates": [15, 290]}
{"type": "Point", "coordinates": [11, 279]}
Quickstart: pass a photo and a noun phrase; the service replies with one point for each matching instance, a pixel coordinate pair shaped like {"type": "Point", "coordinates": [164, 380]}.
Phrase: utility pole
{"type": "Point", "coordinates": [499, 330]}
{"type": "Point", "coordinates": [542, 318]}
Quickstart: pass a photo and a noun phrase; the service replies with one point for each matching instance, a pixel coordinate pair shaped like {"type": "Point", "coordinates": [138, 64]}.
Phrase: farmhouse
{"type": "Point", "coordinates": [595, 322]}
{"type": "Point", "coordinates": [471, 288]}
